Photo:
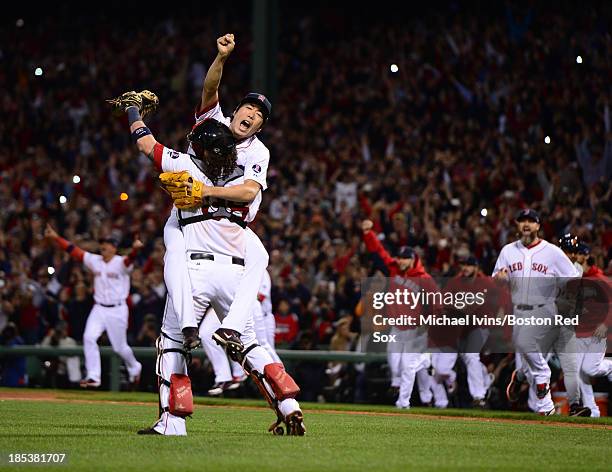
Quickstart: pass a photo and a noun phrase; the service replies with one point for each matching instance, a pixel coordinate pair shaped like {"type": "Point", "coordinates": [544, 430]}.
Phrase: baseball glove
{"type": "Point", "coordinates": [186, 192]}
{"type": "Point", "coordinates": [146, 102]}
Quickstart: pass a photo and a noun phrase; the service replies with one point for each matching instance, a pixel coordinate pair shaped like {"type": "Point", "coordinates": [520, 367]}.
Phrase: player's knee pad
{"type": "Point", "coordinates": [280, 381]}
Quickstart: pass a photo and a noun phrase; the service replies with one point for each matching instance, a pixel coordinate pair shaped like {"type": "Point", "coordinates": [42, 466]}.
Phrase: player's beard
{"type": "Point", "coordinates": [528, 238]}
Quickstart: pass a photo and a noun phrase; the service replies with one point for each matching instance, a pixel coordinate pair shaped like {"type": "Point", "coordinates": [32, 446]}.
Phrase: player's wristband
{"type": "Point", "coordinates": [140, 133]}
{"type": "Point", "coordinates": [133, 114]}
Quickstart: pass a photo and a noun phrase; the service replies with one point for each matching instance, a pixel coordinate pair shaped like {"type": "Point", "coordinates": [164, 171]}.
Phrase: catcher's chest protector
{"type": "Point", "coordinates": [180, 402]}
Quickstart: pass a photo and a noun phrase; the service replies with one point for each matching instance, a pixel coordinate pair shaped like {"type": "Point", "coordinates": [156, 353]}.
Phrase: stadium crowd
{"type": "Point", "coordinates": [478, 116]}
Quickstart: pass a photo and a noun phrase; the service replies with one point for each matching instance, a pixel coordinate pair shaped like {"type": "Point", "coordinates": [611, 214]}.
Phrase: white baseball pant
{"type": "Point", "coordinates": [213, 284]}
{"type": "Point", "coordinates": [224, 368]}
{"type": "Point", "coordinates": [178, 284]}
{"type": "Point", "coordinates": [592, 363]}
{"type": "Point", "coordinates": [428, 388]}
{"type": "Point", "coordinates": [532, 341]}
{"type": "Point", "coordinates": [113, 320]}
{"type": "Point", "coordinates": [411, 344]}
{"type": "Point", "coordinates": [262, 331]}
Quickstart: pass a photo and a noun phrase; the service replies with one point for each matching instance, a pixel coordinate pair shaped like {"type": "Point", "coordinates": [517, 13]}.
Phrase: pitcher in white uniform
{"type": "Point", "coordinates": [110, 312]}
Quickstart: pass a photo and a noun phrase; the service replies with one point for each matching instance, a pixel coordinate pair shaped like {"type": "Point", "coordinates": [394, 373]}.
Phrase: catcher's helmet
{"type": "Point", "coordinates": [212, 136]}
{"type": "Point", "coordinates": [569, 243]}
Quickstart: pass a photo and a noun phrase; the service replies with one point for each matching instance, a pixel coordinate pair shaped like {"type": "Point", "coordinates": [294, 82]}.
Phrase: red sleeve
{"type": "Point", "coordinates": [75, 252]}
{"type": "Point", "coordinates": [373, 245]}
{"type": "Point", "coordinates": [200, 110]}
{"type": "Point", "coordinates": [129, 259]}
{"type": "Point", "coordinates": [158, 151]}
{"type": "Point", "coordinates": [365, 205]}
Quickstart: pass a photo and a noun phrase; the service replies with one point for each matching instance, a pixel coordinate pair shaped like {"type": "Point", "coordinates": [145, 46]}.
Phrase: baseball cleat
{"type": "Point", "coordinates": [229, 340]}
{"type": "Point", "coordinates": [514, 388]}
{"type": "Point", "coordinates": [89, 383]}
{"type": "Point", "coordinates": [295, 424]}
{"type": "Point", "coordinates": [578, 410]}
{"type": "Point", "coordinates": [542, 390]}
{"type": "Point", "coordinates": [135, 382]}
{"type": "Point", "coordinates": [220, 387]}
{"type": "Point", "coordinates": [479, 403]}
{"type": "Point", "coordinates": [148, 431]}
{"type": "Point", "coordinates": [550, 412]}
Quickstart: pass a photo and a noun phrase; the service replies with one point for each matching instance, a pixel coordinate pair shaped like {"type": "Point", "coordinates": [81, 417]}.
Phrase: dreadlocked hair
{"type": "Point", "coordinates": [219, 167]}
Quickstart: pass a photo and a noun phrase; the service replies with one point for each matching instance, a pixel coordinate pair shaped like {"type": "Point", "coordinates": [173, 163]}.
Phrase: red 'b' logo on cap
{"type": "Point", "coordinates": [261, 97]}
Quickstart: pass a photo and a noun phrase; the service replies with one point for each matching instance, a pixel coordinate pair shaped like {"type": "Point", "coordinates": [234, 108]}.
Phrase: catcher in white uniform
{"type": "Point", "coordinates": [110, 312]}
{"type": "Point", "coordinates": [213, 221]}
{"type": "Point", "coordinates": [536, 269]}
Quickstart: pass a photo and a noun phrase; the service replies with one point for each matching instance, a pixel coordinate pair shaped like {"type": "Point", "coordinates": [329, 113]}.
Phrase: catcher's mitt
{"type": "Point", "coordinates": [186, 192]}
{"type": "Point", "coordinates": [146, 102]}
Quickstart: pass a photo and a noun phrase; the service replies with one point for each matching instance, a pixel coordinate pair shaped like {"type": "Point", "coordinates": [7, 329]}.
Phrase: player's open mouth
{"type": "Point", "coordinates": [245, 125]}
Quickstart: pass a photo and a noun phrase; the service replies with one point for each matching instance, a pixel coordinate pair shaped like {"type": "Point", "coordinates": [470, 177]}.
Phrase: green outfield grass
{"type": "Point", "coordinates": [101, 436]}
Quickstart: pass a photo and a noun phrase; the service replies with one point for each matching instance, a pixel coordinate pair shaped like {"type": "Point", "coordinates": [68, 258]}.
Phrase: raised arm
{"type": "Point", "coordinates": [373, 244]}
{"type": "Point", "coordinates": [141, 135]}
{"type": "Point", "coordinates": [75, 252]}
{"type": "Point", "coordinates": [137, 105]}
{"type": "Point", "coordinates": [210, 90]}
{"type": "Point", "coordinates": [137, 245]}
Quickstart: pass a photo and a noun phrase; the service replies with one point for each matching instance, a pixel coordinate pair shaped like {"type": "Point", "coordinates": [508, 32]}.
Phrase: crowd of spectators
{"type": "Point", "coordinates": [482, 114]}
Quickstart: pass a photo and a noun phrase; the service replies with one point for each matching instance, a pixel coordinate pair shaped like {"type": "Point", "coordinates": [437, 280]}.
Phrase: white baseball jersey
{"type": "Point", "coordinates": [265, 289]}
{"type": "Point", "coordinates": [534, 271]}
{"type": "Point", "coordinates": [111, 279]}
{"type": "Point", "coordinates": [252, 155]}
{"type": "Point", "coordinates": [215, 236]}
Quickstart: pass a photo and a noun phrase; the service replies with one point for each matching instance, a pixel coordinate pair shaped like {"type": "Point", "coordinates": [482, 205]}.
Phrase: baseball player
{"type": "Point", "coordinates": [110, 312]}
{"type": "Point", "coordinates": [569, 245]}
{"type": "Point", "coordinates": [215, 243]}
{"type": "Point", "coordinates": [535, 269]}
{"type": "Point", "coordinates": [252, 157]}
{"type": "Point", "coordinates": [471, 342]}
{"type": "Point", "coordinates": [592, 332]}
{"type": "Point", "coordinates": [404, 356]}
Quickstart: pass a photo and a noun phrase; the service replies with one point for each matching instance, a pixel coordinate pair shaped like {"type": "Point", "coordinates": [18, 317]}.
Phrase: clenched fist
{"type": "Point", "coordinates": [366, 225]}
{"type": "Point", "coordinates": [225, 44]}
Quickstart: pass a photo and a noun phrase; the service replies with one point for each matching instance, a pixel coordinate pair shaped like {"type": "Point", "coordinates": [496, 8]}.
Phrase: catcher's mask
{"type": "Point", "coordinates": [212, 136]}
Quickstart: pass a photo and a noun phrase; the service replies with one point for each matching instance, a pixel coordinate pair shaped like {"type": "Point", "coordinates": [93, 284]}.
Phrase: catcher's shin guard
{"type": "Point", "coordinates": [179, 399]}
{"type": "Point", "coordinates": [276, 385]}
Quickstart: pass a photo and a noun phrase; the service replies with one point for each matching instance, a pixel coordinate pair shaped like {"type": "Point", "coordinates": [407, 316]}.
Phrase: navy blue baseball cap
{"type": "Point", "coordinates": [109, 240]}
{"type": "Point", "coordinates": [528, 214]}
{"type": "Point", "coordinates": [471, 261]}
{"type": "Point", "coordinates": [583, 249]}
{"type": "Point", "coordinates": [260, 100]}
{"type": "Point", "coordinates": [406, 252]}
